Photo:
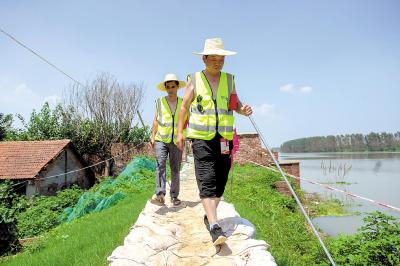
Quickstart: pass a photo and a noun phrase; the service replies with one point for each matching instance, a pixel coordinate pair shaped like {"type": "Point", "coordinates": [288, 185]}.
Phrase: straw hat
{"type": "Point", "coordinates": [170, 77]}
{"type": "Point", "coordinates": [214, 46]}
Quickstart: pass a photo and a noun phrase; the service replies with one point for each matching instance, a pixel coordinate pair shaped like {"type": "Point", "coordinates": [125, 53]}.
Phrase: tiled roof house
{"type": "Point", "coordinates": [36, 161]}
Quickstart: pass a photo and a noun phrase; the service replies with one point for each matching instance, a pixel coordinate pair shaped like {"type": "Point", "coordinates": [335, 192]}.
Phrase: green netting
{"type": "Point", "coordinates": [106, 194]}
{"type": "Point", "coordinates": [110, 201]}
{"type": "Point", "coordinates": [138, 164]}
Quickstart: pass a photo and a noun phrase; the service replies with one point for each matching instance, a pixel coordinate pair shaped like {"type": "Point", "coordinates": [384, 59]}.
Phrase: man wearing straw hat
{"type": "Point", "coordinates": [210, 100]}
{"type": "Point", "coordinates": [164, 133]}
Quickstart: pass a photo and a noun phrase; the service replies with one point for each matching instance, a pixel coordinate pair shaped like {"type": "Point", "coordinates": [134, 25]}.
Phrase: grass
{"type": "Point", "coordinates": [90, 239]}
{"type": "Point", "coordinates": [276, 217]}
{"type": "Point", "coordinates": [316, 206]}
{"type": "Point", "coordinates": [338, 183]}
{"type": "Point", "coordinates": [85, 241]}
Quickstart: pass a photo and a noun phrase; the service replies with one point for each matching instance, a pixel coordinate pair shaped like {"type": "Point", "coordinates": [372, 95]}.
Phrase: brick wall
{"type": "Point", "coordinates": [292, 168]}
{"type": "Point", "coordinates": [125, 152]}
{"type": "Point", "coordinates": [250, 149]}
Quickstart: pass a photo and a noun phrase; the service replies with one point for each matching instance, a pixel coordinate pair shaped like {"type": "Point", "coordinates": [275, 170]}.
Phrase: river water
{"type": "Point", "coordinates": [374, 175]}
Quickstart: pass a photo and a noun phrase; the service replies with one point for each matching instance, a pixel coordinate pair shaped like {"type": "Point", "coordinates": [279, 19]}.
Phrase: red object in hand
{"type": "Point", "coordinates": [233, 101]}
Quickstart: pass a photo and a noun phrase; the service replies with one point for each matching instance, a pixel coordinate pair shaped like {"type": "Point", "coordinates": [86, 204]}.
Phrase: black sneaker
{"type": "Point", "coordinates": [206, 223]}
{"type": "Point", "coordinates": [217, 235]}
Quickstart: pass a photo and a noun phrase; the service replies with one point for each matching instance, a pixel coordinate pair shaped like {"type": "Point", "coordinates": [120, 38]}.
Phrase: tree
{"type": "Point", "coordinates": [44, 125]}
{"type": "Point", "coordinates": [396, 137]}
{"type": "Point", "coordinates": [374, 142]}
{"type": "Point", "coordinates": [341, 143]}
{"type": "Point", "coordinates": [102, 112]}
{"type": "Point", "coordinates": [331, 145]}
{"type": "Point", "coordinates": [93, 117]}
{"type": "Point", "coordinates": [8, 230]}
{"type": "Point", "coordinates": [5, 125]}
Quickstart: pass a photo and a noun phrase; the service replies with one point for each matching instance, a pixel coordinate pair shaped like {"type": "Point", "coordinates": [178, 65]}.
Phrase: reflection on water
{"type": "Point", "coordinates": [333, 225]}
{"type": "Point", "coordinates": [377, 166]}
{"type": "Point", "coordinates": [375, 175]}
{"type": "Point", "coordinates": [340, 170]}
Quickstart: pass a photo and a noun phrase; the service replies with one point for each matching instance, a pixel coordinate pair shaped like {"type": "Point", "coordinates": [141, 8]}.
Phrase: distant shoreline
{"type": "Point", "coordinates": [342, 152]}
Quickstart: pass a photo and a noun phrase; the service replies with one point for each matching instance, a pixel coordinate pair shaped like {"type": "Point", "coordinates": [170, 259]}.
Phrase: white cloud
{"type": "Point", "coordinates": [305, 89]}
{"type": "Point", "coordinates": [264, 109]}
{"type": "Point", "coordinates": [21, 99]}
{"type": "Point", "coordinates": [290, 88]}
{"type": "Point", "coordinates": [20, 96]}
{"type": "Point", "coordinates": [53, 100]}
{"type": "Point", "coordinates": [18, 100]}
{"type": "Point", "coordinates": [287, 88]}
{"type": "Point", "coordinates": [22, 91]}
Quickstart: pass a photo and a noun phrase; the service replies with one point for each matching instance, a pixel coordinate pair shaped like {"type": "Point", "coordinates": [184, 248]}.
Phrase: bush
{"type": "Point", "coordinates": [8, 231]}
{"type": "Point", "coordinates": [137, 135]}
{"type": "Point", "coordinates": [376, 243]}
{"type": "Point", "coordinates": [41, 213]}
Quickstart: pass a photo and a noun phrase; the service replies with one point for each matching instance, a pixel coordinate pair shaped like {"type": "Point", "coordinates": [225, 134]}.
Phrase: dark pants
{"type": "Point", "coordinates": [175, 158]}
{"type": "Point", "coordinates": [211, 167]}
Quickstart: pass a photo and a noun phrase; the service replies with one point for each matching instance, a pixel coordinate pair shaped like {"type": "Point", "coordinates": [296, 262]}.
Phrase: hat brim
{"type": "Point", "coordinates": [161, 85]}
{"type": "Point", "coordinates": [215, 52]}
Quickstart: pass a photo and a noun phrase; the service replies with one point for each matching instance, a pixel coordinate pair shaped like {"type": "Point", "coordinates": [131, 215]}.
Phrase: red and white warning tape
{"type": "Point", "coordinates": [333, 188]}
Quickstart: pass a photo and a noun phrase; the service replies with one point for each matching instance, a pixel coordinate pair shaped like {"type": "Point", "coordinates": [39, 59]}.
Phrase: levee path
{"type": "Point", "coordinates": [169, 235]}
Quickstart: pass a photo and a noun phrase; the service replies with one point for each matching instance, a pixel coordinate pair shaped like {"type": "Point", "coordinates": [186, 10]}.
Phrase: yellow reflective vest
{"type": "Point", "coordinates": [209, 113]}
{"type": "Point", "coordinates": [167, 120]}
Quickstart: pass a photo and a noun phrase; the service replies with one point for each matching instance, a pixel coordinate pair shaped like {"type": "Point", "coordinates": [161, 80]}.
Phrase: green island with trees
{"type": "Point", "coordinates": [345, 143]}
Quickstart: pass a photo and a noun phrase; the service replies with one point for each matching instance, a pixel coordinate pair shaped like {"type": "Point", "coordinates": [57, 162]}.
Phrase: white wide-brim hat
{"type": "Point", "coordinates": [214, 46]}
{"type": "Point", "coordinates": [170, 77]}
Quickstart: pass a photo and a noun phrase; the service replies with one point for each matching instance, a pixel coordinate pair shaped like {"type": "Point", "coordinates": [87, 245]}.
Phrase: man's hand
{"type": "Point", "coordinates": [180, 141]}
{"type": "Point", "coordinates": [246, 110]}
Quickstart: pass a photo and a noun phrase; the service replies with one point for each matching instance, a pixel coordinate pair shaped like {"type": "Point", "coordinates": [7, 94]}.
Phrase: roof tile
{"type": "Point", "coordinates": [25, 159]}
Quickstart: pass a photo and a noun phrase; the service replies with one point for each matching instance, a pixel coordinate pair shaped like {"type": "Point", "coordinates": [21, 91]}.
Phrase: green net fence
{"type": "Point", "coordinates": [137, 175]}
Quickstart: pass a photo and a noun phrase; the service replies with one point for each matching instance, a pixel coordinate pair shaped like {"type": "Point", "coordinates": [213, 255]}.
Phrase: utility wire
{"type": "Point", "coordinates": [251, 119]}
{"type": "Point", "coordinates": [292, 191]}
{"type": "Point", "coordinates": [348, 193]}
{"type": "Point", "coordinates": [53, 65]}
{"type": "Point", "coordinates": [71, 78]}
{"type": "Point", "coordinates": [38, 55]}
{"type": "Point", "coordinates": [101, 162]}
{"type": "Point", "coordinates": [16, 184]}
{"type": "Point", "coordinates": [90, 166]}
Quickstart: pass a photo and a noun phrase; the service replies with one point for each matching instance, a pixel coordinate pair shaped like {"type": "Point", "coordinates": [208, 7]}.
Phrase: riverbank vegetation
{"type": "Point", "coordinates": [276, 217]}
{"type": "Point", "coordinates": [377, 242]}
{"type": "Point", "coordinates": [278, 221]}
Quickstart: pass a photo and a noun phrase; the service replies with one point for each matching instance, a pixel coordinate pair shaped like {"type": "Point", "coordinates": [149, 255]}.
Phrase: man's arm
{"type": "Point", "coordinates": [154, 130]}
{"type": "Point", "coordinates": [242, 109]}
{"type": "Point", "coordinates": [183, 113]}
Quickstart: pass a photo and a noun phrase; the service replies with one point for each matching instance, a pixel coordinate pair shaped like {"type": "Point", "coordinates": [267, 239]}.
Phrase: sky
{"type": "Point", "coordinates": [308, 68]}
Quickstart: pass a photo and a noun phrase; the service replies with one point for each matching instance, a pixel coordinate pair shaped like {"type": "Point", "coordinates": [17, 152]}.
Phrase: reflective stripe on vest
{"type": "Point", "coordinates": [213, 115]}
{"type": "Point", "coordinates": [167, 121]}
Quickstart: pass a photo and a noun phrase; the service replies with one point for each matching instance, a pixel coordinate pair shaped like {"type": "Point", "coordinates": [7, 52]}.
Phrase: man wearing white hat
{"type": "Point", "coordinates": [210, 100]}
{"type": "Point", "coordinates": [164, 133]}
